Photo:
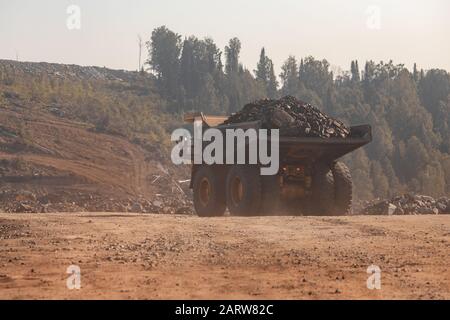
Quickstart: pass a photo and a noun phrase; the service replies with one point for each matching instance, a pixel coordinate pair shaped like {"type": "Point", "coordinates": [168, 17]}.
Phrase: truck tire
{"type": "Point", "coordinates": [209, 195]}
{"type": "Point", "coordinates": [243, 190]}
{"type": "Point", "coordinates": [322, 200]}
{"type": "Point", "coordinates": [342, 189]}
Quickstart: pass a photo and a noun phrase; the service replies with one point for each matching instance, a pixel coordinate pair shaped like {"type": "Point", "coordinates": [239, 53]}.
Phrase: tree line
{"type": "Point", "coordinates": [409, 110]}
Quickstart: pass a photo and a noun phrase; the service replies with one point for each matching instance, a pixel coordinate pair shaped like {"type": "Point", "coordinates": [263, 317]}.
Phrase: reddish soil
{"type": "Point", "coordinates": [142, 256]}
{"type": "Point", "coordinates": [108, 162]}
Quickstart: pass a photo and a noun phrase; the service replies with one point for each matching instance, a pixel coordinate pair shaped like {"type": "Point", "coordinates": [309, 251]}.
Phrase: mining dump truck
{"type": "Point", "coordinates": [310, 179]}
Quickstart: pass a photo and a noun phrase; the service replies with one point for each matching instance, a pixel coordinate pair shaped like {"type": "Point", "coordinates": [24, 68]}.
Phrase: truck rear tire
{"type": "Point", "coordinates": [342, 189]}
{"type": "Point", "coordinates": [209, 193]}
{"type": "Point", "coordinates": [243, 190]}
{"type": "Point", "coordinates": [322, 200]}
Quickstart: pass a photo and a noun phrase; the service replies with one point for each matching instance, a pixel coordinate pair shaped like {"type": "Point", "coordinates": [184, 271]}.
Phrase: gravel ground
{"type": "Point", "coordinates": [147, 256]}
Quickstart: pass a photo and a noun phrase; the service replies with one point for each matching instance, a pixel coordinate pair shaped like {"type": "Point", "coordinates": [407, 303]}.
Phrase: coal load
{"type": "Point", "coordinates": [293, 117]}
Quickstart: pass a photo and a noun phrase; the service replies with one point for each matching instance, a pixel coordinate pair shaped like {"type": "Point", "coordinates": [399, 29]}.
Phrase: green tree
{"type": "Point", "coordinates": [265, 74]}
{"type": "Point", "coordinates": [380, 181]}
{"type": "Point", "coordinates": [315, 76]}
{"type": "Point", "coordinates": [262, 68]}
{"type": "Point", "coordinates": [232, 52]}
{"type": "Point", "coordinates": [415, 73]}
{"type": "Point", "coordinates": [434, 87]}
{"type": "Point", "coordinates": [360, 168]}
{"type": "Point", "coordinates": [354, 69]}
{"type": "Point", "coordinates": [187, 67]}
{"type": "Point", "coordinates": [289, 77]}
{"type": "Point", "coordinates": [272, 86]}
{"type": "Point", "coordinates": [164, 51]}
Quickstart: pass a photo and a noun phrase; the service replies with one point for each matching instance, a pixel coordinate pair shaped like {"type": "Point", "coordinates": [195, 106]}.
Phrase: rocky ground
{"type": "Point", "coordinates": [177, 256]}
{"type": "Point", "coordinates": [406, 204]}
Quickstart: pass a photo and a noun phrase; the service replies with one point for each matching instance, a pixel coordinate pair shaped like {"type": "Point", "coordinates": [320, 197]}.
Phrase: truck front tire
{"type": "Point", "coordinates": [209, 193]}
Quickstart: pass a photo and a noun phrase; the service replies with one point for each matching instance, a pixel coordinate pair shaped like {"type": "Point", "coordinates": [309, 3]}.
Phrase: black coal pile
{"type": "Point", "coordinates": [293, 117]}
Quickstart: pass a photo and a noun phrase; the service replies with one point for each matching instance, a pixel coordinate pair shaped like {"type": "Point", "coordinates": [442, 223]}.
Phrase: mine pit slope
{"type": "Point", "coordinates": [67, 146]}
{"type": "Point", "coordinates": [56, 154]}
{"type": "Point", "coordinates": [90, 162]}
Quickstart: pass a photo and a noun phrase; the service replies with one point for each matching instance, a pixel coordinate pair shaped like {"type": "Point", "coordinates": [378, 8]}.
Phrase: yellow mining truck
{"type": "Point", "coordinates": [309, 181]}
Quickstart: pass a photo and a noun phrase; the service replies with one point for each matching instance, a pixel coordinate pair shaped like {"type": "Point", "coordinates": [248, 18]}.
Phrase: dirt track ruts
{"type": "Point", "coordinates": [162, 256]}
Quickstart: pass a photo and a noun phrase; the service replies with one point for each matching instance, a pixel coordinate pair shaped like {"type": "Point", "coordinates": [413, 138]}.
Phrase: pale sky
{"type": "Point", "coordinates": [339, 31]}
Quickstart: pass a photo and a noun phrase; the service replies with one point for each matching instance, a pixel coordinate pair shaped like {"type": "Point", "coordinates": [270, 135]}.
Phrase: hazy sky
{"type": "Point", "coordinates": [405, 31]}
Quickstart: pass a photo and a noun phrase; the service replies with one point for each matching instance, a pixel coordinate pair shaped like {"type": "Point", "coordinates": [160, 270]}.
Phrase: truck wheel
{"type": "Point", "coordinates": [209, 195]}
{"type": "Point", "coordinates": [323, 198]}
{"type": "Point", "coordinates": [243, 190]}
{"type": "Point", "coordinates": [342, 188]}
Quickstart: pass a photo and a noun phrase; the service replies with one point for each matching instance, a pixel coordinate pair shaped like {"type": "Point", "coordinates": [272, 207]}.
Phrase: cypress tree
{"type": "Point", "coordinates": [261, 71]}
{"type": "Point", "coordinates": [273, 83]}
{"type": "Point", "coordinates": [415, 73]}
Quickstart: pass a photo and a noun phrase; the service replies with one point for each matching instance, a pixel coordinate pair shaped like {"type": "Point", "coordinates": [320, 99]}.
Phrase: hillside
{"type": "Point", "coordinates": [105, 133]}
{"type": "Point", "coordinates": [84, 139]}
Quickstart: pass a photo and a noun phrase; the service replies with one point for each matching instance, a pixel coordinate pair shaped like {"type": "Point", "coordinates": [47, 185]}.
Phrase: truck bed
{"type": "Point", "coordinates": [295, 149]}
{"type": "Point", "coordinates": [299, 149]}
{"type": "Point", "coordinates": [311, 149]}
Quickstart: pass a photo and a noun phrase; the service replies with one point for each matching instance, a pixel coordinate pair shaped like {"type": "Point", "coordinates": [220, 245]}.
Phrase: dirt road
{"type": "Point", "coordinates": [161, 256]}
